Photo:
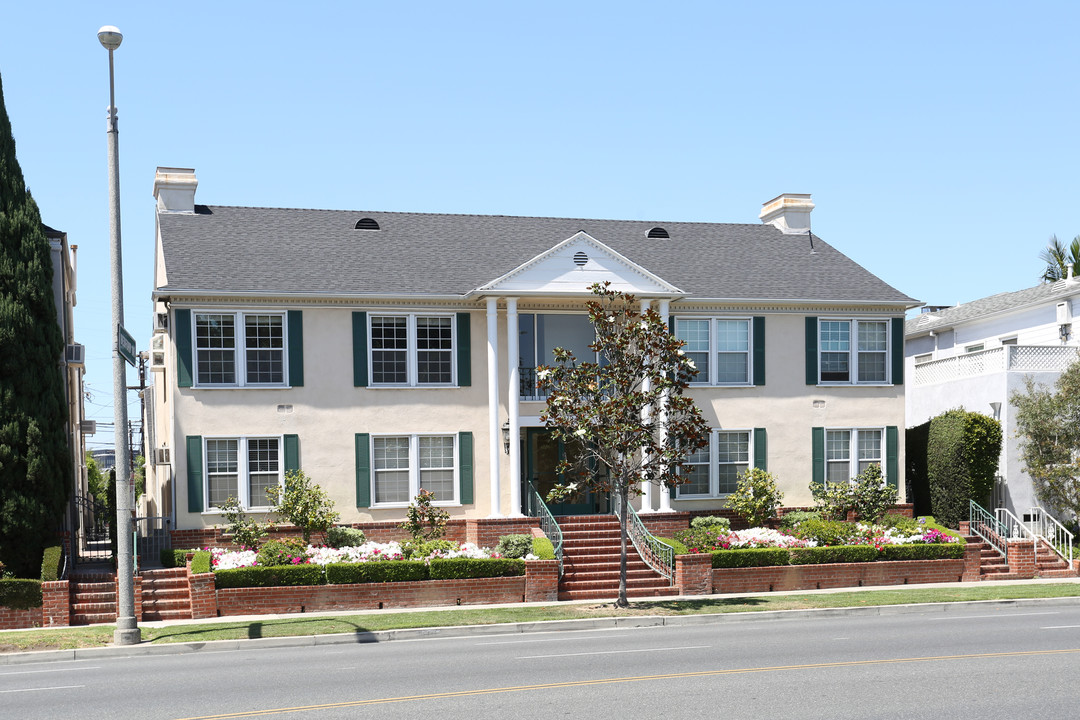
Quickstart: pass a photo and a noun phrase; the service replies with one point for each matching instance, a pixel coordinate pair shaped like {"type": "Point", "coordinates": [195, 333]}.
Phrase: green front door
{"type": "Point", "coordinates": [543, 453]}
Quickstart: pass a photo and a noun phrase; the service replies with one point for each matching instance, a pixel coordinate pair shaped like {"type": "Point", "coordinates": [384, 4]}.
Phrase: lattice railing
{"type": "Point", "coordinates": [1016, 358]}
{"type": "Point", "coordinates": [1036, 358]}
{"type": "Point", "coordinates": [657, 555]}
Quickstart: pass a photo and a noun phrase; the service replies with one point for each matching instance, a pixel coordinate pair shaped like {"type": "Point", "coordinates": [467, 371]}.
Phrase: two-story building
{"type": "Point", "coordinates": [385, 352]}
{"type": "Point", "coordinates": [977, 354]}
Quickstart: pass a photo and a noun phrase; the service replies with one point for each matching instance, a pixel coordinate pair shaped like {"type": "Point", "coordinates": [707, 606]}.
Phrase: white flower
{"type": "Point", "coordinates": [543, 373]}
{"type": "Point", "coordinates": [690, 364]}
{"type": "Point", "coordinates": [611, 318]}
{"type": "Point", "coordinates": [580, 432]}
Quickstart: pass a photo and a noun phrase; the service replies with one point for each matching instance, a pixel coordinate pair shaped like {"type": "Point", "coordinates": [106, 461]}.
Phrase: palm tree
{"type": "Point", "coordinates": [1058, 259]}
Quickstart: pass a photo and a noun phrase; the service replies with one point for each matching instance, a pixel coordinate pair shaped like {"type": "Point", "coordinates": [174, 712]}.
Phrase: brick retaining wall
{"type": "Point", "coordinates": [12, 619]}
{"type": "Point", "coordinates": [837, 575]}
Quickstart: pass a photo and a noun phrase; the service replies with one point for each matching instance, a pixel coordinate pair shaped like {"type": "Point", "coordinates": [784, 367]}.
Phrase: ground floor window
{"type": "Point", "coordinates": [402, 465]}
{"type": "Point", "coordinates": [242, 468]}
{"type": "Point", "coordinates": [714, 469]}
{"type": "Point", "coordinates": [850, 451]}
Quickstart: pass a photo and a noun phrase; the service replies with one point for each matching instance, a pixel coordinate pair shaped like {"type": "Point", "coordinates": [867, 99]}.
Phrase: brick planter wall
{"type": "Point", "coordinates": [12, 619]}
{"type": "Point", "coordinates": [838, 575]}
{"type": "Point", "coordinates": [541, 580]}
{"type": "Point", "coordinates": [972, 562]}
{"type": "Point", "coordinates": [486, 532]}
{"type": "Point", "coordinates": [667, 524]}
{"type": "Point", "coordinates": [1021, 559]}
{"type": "Point", "coordinates": [55, 603]}
{"type": "Point", "coordinates": [694, 574]}
{"type": "Point", "coordinates": [203, 594]}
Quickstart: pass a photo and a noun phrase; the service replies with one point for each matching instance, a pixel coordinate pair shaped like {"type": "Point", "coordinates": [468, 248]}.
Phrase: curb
{"type": "Point", "coordinates": [460, 631]}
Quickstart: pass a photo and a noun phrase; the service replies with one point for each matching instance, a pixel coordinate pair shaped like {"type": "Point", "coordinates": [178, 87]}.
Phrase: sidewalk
{"type": "Point", "coordinates": [450, 631]}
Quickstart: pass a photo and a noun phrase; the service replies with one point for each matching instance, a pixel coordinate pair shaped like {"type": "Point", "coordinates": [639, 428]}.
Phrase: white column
{"type": "Point", "coordinates": [665, 491]}
{"type": "Point", "coordinates": [513, 402]}
{"type": "Point", "coordinates": [646, 385]}
{"type": "Point", "coordinates": [494, 429]}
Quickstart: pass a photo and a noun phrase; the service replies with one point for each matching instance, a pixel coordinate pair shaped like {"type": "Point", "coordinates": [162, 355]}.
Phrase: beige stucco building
{"type": "Point", "coordinates": [385, 352]}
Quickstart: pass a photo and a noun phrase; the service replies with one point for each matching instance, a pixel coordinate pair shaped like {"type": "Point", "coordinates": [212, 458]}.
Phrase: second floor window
{"type": "Point", "coordinates": [240, 349]}
{"type": "Point", "coordinates": [854, 351]}
{"type": "Point", "coordinates": [411, 350]}
{"type": "Point", "coordinates": [719, 347]}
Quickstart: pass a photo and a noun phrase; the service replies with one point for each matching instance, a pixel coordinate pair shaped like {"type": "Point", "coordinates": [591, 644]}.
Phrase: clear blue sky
{"type": "Point", "coordinates": [938, 138]}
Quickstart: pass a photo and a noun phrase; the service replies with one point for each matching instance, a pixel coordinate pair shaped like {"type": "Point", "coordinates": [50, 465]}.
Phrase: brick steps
{"type": "Point", "coordinates": [591, 549]}
{"type": "Point", "coordinates": [93, 600]}
{"type": "Point", "coordinates": [165, 595]}
{"type": "Point", "coordinates": [992, 566]}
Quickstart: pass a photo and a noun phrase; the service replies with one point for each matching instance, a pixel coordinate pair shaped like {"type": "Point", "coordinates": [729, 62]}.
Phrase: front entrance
{"type": "Point", "coordinates": [542, 455]}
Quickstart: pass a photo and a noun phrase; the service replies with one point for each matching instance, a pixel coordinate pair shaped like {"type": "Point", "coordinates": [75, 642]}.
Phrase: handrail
{"type": "Point", "coordinates": [657, 555]}
{"type": "Point", "coordinates": [984, 525]}
{"type": "Point", "coordinates": [1053, 533]}
{"type": "Point", "coordinates": [536, 507]}
{"type": "Point", "coordinates": [1015, 529]}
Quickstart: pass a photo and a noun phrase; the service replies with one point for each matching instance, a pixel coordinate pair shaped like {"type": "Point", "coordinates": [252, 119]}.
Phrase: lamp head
{"type": "Point", "coordinates": [109, 37]}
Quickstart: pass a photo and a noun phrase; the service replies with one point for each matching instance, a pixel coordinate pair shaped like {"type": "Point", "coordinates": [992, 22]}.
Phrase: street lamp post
{"type": "Point", "coordinates": [127, 629]}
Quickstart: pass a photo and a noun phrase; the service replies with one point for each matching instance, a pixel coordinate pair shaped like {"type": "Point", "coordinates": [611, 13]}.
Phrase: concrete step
{"type": "Point", "coordinates": [611, 594]}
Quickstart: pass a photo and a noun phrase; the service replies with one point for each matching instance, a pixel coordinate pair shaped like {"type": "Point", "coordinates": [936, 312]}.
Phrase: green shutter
{"type": "Point", "coordinates": [898, 351]}
{"type": "Point", "coordinates": [465, 468]}
{"type": "Point", "coordinates": [363, 470]}
{"type": "Point", "coordinates": [811, 351]}
{"type": "Point", "coordinates": [671, 324]}
{"type": "Point", "coordinates": [817, 455]}
{"type": "Point", "coordinates": [892, 456]}
{"type": "Point", "coordinates": [759, 351]}
{"type": "Point", "coordinates": [194, 474]}
{"type": "Point", "coordinates": [292, 452]}
{"type": "Point", "coordinates": [359, 350]}
{"type": "Point", "coordinates": [296, 348]}
{"type": "Point", "coordinates": [761, 451]}
{"type": "Point", "coordinates": [182, 334]}
{"type": "Point", "coordinates": [464, 349]}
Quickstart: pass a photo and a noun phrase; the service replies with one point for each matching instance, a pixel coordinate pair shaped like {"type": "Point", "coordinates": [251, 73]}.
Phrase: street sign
{"type": "Point", "coordinates": [125, 345]}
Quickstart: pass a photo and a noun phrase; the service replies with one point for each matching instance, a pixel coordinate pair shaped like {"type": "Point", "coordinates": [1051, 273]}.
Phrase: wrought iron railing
{"type": "Point", "coordinates": [1053, 534]}
{"type": "Point", "coordinates": [536, 507]}
{"type": "Point", "coordinates": [527, 389]}
{"type": "Point", "coordinates": [983, 524]}
{"type": "Point", "coordinates": [657, 555]}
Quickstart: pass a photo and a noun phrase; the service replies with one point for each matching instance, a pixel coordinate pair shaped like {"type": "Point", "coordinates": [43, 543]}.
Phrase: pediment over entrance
{"type": "Point", "coordinates": [572, 266]}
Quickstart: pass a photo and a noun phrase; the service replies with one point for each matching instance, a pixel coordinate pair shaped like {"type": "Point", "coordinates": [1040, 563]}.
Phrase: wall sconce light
{"type": "Point", "coordinates": [506, 437]}
{"type": "Point", "coordinates": [996, 407]}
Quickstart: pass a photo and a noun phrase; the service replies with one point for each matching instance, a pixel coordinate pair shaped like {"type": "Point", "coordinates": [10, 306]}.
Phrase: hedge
{"type": "Point", "coordinates": [376, 572]}
{"type": "Point", "coordinates": [543, 549]}
{"type": "Point", "coordinates": [937, 551]}
{"type": "Point", "coordinates": [171, 558]}
{"type": "Point", "coordinates": [962, 453]}
{"type": "Point", "coordinates": [833, 554]}
{"type": "Point", "coordinates": [749, 557]}
{"type": "Point", "coordinates": [276, 576]}
{"type": "Point", "coordinates": [200, 562]}
{"type": "Point", "coordinates": [50, 564]}
{"type": "Point", "coordinates": [675, 545]}
{"type": "Point", "coordinates": [20, 594]}
{"type": "Point", "coordinates": [461, 568]}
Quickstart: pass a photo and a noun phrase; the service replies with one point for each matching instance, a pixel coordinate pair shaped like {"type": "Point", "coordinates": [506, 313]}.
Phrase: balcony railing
{"type": "Point", "coordinates": [1015, 358]}
{"type": "Point", "coordinates": [527, 385]}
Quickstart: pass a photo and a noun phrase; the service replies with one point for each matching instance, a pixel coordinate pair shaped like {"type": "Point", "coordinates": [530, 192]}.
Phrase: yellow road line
{"type": "Point", "coordinates": [609, 681]}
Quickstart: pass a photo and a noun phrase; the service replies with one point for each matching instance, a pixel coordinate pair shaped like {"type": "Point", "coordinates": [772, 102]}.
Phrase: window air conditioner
{"type": "Point", "coordinates": [88, 427]}
{"type": "Point", "coordinates": [157, 353]}
{"type": "Point", "coordinates": [161, 322]}
{"type": "Point", "coordinates": [161, 456]}
{"type": "Point", "coordinates": [75, 354]}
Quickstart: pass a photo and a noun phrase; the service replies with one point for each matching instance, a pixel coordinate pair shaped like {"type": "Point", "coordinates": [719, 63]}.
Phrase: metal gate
{"type": "Point", "coordinates": [91, 539]}
{"type": "Point", "coordinates": [151, 537]}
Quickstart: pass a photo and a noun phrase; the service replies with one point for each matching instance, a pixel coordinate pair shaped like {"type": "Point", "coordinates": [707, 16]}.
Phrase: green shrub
{"type": "Point", "coordinates": [789, 521]}
{"type": "Point", "coordinates": [376, 572]}
{"type": "Point", "coordinates": [824, 532]}
{"type": "Point", "coordinates": [871, 496]}
{"type": "Point", "coordinates": [701, 539]}
{"type": "Point", "coordinates": [937, 551]}
{"type": "Point", "coordinates": [339, 537]}
{"type": "Point", "coordinates": [711, 521]}
{"type": "Point", "coordinates": [201, 562]}
{"type": "Point", "coordinates": [961, 462]}
{"type": "Point", "coordinates": [916, 442]}
{"type": "Point", "coordinates": [756, 497]}
{"type": "Point", "coordinates": [837, 554]}
{"type": "Point", "coordinates": [421, 549]}
{"type": "Point", "coordinates": [423, 521]}
{"type": "Point", "coordinates": [303, 503]}
{"type": "Point", "coordinates": [543, 548]}
{"type": "Point", "coordinates": [173, 558]}
{"type": "Point", "coordinates": [833, 499]}
{"type": "Point", "coordinates": [902, 523]}
{"type": "Point", "coordinates": [277, 576]}
{"type": "Point", "coordinates": [51, 563]}
{"type": "Point", "coordinates": [750, 557]}
{"type": "Point", "coordinates": [246, 533]}
{"type": "Point", "coordinates": [514, 546]}
{"type": "Point", "coordinates": [460, 568]}
{"type": "Point", "coordinates": [675, 545]}
{"type": "Point", "coordinates": [289, 551]}
{"type": "Point", "coordinates": [20, 594]}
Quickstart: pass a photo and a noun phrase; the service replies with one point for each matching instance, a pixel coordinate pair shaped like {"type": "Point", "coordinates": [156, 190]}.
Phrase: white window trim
{"type": "Point", "coordinates": [853, 451]}
{"type": "Point", "coordinates": [853, 352]}
{"type": "Point", "coordinates": [924, 358]}
{"type": "Point", "coordinates": [412, 371]}
{"type": "Point", "coordinates": [240, 350]}
{"type": "Point", "coordinates": [974, 348]}
{"type": "Point", "coordinates": [243, 480]}
{"type": "Point", "coordinates": [714, 465]}
{"type": "Point", "coordinates": [414, 469]}
{"type": "Point", "coordinates": [714, 350]}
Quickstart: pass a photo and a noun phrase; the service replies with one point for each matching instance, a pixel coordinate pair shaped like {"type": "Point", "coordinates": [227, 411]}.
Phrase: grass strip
{"type": "Point", "coordinates": [101, 635]}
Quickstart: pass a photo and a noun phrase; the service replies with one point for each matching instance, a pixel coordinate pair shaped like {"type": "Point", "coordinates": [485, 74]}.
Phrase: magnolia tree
{"type": "Point", "coordinates": [626, 414]}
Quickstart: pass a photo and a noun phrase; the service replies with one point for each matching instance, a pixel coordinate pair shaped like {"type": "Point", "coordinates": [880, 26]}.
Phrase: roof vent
{"type": "Point", "coordinates": [658, 232]}
{"type": "Point", "coordinates": [580, 259]}
{"type": "Point", "coordinates": [366, 224]}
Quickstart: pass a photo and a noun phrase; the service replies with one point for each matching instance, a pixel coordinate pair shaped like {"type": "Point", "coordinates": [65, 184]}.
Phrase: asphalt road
{"type": "Point", "coordinates": [974, 661]}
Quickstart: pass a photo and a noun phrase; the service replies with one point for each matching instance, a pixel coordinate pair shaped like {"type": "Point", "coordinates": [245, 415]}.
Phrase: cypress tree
{"type": "Point", "coordinates": [34, 467]}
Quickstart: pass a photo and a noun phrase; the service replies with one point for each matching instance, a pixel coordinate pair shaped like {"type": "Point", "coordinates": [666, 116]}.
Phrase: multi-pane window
{"type": "Point", "coordinates": [714, 469]}
{"type": "Point", "coordinates": [859, 344]}
{"type": "Point", "coordinates": [259, 336]}
{"type": "Point", "coordinates": [402, 465]}
{"type": "Point", "coordinates": [412, 350]}
{"type": "Point", "coordinates": [242, 468]}
{"type": "Point", "coordinates": [719, 347]}
{"type": "Point", "coordinates": [849, 452]}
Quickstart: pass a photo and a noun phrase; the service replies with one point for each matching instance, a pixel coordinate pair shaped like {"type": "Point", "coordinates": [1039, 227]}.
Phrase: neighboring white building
{"type": "Point", "coordinates": [976, 355]}
{"type": "Point", "coordinates": [383, 352]}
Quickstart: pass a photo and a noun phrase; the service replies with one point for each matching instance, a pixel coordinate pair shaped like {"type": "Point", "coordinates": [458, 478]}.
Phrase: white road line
{"type": "Point", "coordinates": [614, 652]}
{"type": "Point", "coordinates": [1059, 627]}
{"type": "Point", "coordinates": [571, 639]}
{"type": "Point", "coordinates": [980, 617]}
{"type": "Point", "coordinates": [64, 670]}
{"type": "Point", "coordinates": [57, 687]}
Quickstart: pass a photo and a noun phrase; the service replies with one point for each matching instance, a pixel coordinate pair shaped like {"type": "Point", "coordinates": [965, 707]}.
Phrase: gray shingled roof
{"type": "Point", "coordinates": [281, 250]}
{"type": "Point", "coordinates": [983, 307]}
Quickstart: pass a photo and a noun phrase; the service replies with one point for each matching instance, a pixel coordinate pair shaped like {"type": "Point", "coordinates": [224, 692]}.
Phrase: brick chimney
{"type": "Point", "coordinates": [174, 190]}
{"type": "Point", "coordinates": [790, 213]}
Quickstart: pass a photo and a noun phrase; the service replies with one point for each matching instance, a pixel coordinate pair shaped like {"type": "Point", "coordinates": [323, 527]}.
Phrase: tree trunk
{"type": "Point", "coordinates": [622, 602]}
